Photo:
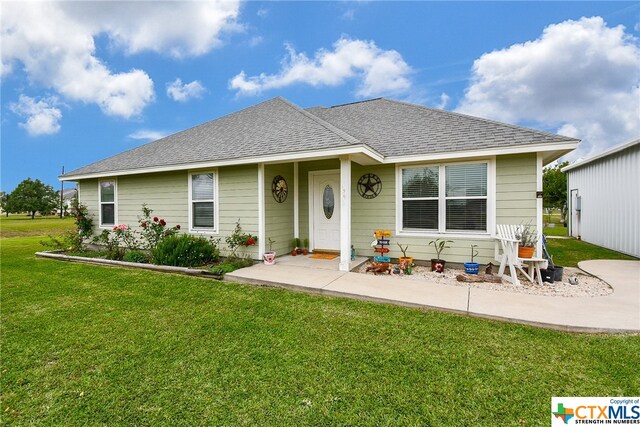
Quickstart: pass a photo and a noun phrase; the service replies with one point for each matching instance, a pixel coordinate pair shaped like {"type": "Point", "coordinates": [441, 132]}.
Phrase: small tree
{"type": "Point", "coordinates": [4, 202]}
{"type": "Point", "coordinates": [33, 196]}
{"type": "Point", "coordinates": [554, 185]}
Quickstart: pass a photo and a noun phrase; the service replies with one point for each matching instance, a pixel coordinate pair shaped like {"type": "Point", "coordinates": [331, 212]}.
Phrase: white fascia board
{"type": "Point", "coordinates": [468, 154]}
{"type": "Point", "coordinates": [275, 158]}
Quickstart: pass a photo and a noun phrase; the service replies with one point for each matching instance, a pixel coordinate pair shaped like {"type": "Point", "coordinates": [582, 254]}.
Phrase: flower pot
{"type": "Point", "coordinates": [405, 260]}
{"type": "Point", "coordinates": [471, 267]}
{"type": "Point", "coordinates": [547, 275]}
{"type": "Point", "coordinates": [299, 251]}
{"type": "Point", "coordinates": [305, 252]}
{"type": "Point", "coordinates": [269, 258]}
{"type": "Point", "coordinates": [557, 274]}
{"type": "Point", "coordinates": [294, 253]}
{"type": "Point", "coordinates": [438, 265]}
{"type": "Point", "coordinates": [526, 251]}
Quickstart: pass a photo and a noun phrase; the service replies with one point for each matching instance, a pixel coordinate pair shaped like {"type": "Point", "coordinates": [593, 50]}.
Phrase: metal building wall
{"type": "Point", "coordinates": [610, 192]}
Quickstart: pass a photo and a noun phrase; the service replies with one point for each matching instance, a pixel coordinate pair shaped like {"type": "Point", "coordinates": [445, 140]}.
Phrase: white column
{"type": "Point", "coordinates": [539, 213]}
{"type": "Point", "coordinates": [345, 213]}
{"type": "Point", "coordinates": [261, 222]}
{"type": "Point", "coordinates": [296, 202]}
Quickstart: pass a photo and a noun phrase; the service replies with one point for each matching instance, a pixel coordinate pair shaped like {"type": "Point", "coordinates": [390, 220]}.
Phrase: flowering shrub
{"type": "Point", "coordinates": [124, 236]}
{"type": "Point", "coordinates": [154, 230]}
{"type": "Point", "coordinates": [238, 239]}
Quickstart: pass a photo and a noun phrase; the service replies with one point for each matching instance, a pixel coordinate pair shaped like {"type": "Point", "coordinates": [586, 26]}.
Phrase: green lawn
{"type": "Point", "coordinates": [23, 225]}
{"type": "Point", "coordinates": [558, 230]}
{"type": "Point", "coordinates": [568, 252]}
{"type": "Point", "coordinates": [87, 344]}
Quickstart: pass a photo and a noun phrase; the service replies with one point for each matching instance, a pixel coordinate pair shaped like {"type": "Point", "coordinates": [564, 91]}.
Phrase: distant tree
{"type": "Point", "coordinates": [554, 185]}
{"type": "Point", "coordinates": [33, 196]}
{"type": "Point", "coordinates": [4, 202]}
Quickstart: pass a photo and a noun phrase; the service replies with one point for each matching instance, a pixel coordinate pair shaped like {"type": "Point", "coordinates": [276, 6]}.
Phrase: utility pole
{"type": "Point", "coordinates": [61, 193]}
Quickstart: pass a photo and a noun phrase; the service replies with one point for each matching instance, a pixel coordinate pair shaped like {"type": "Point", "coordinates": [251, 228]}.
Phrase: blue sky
{"type": "Point", "coordinates": [82, 81]}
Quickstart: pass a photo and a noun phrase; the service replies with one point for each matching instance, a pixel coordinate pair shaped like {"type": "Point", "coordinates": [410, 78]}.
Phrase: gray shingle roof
{"type": "Point", "coordinates": [277, 126]}
{"type": "Point", "coordinates": [272, 127]}
{"type": "Point", "coordinates": [395, 128]}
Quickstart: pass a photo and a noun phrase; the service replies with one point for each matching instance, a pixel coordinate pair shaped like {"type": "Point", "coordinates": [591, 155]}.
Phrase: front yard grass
{"type": "Point", "coordinates": [85, 344]}
{"type": "Point", "coordinates": [23, 226]}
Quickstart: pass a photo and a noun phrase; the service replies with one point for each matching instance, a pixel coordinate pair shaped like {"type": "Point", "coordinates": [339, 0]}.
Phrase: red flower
{"type": "Point", "coordinates": [162, 222]}
{"type": "Point", "coordinates": [115, 228]}
{"type": "Point", "coordinates": [178, 226]}
{"type": "Point", "coordinates": [155, 219]}
{"type": "Point", "coordinates": [250, 242]}
{"type": "Point", "coordinates": [144, 225]}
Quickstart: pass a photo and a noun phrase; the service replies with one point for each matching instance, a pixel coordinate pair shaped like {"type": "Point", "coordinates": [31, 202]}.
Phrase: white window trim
{"type": "Point", "coordinates": [115, 203]}
{"type": "Point", "coordinates": [216, 205]}
{"type": "Point", "coordinates": [442, 198]}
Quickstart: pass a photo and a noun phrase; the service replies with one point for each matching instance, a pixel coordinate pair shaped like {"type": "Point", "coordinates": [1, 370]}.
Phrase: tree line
{"type": "Point", "coordinates": [30, 196]}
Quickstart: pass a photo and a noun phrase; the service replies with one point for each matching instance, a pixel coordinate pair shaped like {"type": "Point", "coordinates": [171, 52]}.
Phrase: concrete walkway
{"type": "Point", "coordinates": [617, 312]}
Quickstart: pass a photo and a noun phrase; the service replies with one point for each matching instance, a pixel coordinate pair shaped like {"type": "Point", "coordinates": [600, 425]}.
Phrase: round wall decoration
{"type": "Point", "coordinates": [279, 189]}
{"type": "Point", "coordinates": [369, 185]}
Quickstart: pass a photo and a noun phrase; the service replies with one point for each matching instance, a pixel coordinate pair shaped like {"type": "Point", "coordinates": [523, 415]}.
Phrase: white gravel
{"type": "Point", "coordinates": [588, 286]}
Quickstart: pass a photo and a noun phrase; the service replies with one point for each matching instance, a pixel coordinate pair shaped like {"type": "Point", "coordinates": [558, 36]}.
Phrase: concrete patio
{"type": "Point", "coordinates": [617, 312]}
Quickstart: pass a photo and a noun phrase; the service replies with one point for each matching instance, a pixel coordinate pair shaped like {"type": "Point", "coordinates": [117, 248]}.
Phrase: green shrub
{"type": "Point", "coordinates": [231, 264]}
{"type": "Point", "coordinates": [136, 256]}
{"type": "Point", "coordinates": [185, 251]}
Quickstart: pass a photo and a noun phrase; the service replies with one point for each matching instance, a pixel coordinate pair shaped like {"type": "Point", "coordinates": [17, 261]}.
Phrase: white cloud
{"type": "Point", "coordinates": [444, 101]}
{"type": "Point", "coordinates": [42, 117]}
{"type": "Point", "coordinates": [54, 43]}
{"type": "Point", "coordinates": [148, 135]}
{"type": "Point", "coordinates": [262, 12]}
{"type": "Point", "coordinates": [379, 71]}
{"type": "Point", "coordinates": [580, 77]}
{"type": "Point", "coordinates": [255, 41]}
{"type": "Point", "coordinates": [182, 92]}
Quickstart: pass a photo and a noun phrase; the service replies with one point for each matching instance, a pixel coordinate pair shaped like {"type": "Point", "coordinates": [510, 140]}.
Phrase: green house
{"type": "Point", "coordinates": [333, 175]}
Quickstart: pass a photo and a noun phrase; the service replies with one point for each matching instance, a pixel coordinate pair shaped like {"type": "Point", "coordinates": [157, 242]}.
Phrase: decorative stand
{"type": "Point", "coordinates": [382, 240]}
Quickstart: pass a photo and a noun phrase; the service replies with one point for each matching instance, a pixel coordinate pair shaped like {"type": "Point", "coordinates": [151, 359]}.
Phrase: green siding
{"type": "Point", "coordinates": [168, 195]}
{"type": "Point", "coordinates": [380, 213]}
{"type": "Point", "coordinates": [516, 189]}
{"type": "Point", "coordinates": [278, 216]}
{"type": "Point", "coordinates": [88, 196]}
{"type": "Point", "coordinates": [165, 193]}
{"type": "Point", "coordinates": [238, 198]}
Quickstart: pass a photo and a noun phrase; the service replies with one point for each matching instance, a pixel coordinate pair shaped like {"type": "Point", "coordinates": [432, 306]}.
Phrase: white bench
{"type": "Point", "coordinates": [506, 236]}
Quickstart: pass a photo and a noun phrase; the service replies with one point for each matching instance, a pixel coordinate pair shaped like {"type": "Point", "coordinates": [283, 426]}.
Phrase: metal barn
{"type": "Point", "coordinates": [604, 199]}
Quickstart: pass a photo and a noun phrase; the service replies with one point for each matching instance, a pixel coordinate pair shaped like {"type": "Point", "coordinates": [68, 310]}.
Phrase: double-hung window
{"type": "Point", "coordinates": [107, 190]}
{"type": "Point", "coordinates": [203, 201]}
{"type": "Point", "coordinates": [444, 198]}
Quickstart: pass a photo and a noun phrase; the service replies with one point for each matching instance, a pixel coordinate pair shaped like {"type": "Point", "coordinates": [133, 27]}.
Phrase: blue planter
{"type": "Point", "coordinates": [471, 267]}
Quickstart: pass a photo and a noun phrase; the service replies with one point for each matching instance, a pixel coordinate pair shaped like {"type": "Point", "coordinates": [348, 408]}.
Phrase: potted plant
{"type": "Point", "coordinates": [269, 256]}
{"type": "Point", "coordinates": [298, 245]}
{"type": "Point", "coordinates": [305, 249]}
{"type": "Point", "coordinates": [438, 264]}
{"type": "Point", "coordinates": [294, 252]}
{"type": "Point", "coordinates": [404, 259]}
{"type": "Point", "coordinates": [472, 267]}
{"type": "Point", "coordinates": [528, 240]}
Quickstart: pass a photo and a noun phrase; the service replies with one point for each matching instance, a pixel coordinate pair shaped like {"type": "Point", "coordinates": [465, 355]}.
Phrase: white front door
{"type": "Point", "coordinates": [325, 210]}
